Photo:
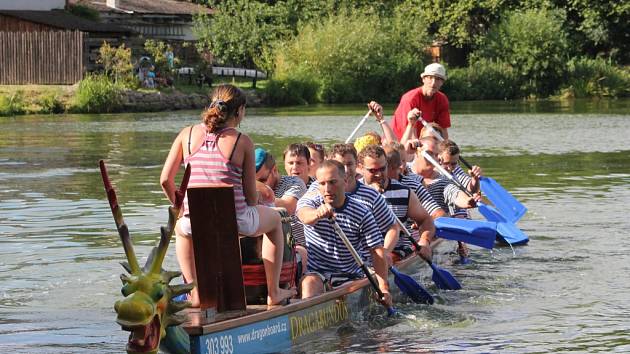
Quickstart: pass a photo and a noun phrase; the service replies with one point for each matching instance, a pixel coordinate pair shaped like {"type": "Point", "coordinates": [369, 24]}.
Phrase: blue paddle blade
{"type": "Point", "coordinates": [474, 232]}
{"type": "Point", "coordinates": [411, 288]}
{"type": "Point", "coordinates": [505, 202]}
{"type": "Point", "coordinates": [506, 230]}
{"type": "Point", "coordinates": [443, 279]}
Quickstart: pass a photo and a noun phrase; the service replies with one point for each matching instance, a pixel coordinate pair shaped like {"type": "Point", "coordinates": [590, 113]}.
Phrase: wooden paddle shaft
{"type": "Point", "coordinates": [445, 173]}
{"type": "Point", "coordinates": [357, 258]}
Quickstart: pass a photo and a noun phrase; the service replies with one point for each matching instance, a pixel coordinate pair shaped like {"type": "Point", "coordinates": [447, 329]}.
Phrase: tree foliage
{"type": "Point", "coordinates": [533, 42]}
{"type": "Point", "coordinates": [351, 56]}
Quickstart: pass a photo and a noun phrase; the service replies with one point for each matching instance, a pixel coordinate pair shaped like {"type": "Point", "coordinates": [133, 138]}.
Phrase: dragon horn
{"type": "Point", "coordinates": [167, 232]}
{"type": "Point", "coordinates": [123, 231]}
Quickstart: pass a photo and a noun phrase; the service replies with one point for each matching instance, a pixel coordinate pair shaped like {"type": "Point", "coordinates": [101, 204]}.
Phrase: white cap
{"type": "Point", "coordinates": [435, 69]}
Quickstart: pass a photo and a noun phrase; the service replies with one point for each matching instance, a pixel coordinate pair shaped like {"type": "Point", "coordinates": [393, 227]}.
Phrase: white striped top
{"type": "Point", "coordinates": [464, 178]}
{"type": "Point", "coordinates": [373, 200]}
{"type": "Point", "coordinates": [294, 187]}
{"type": "Point", "coordinates": [414, 182]}
{"type": "Point", "coordinates": [326, 251]}
{"type": "Point", "coordinates": [443, 192]}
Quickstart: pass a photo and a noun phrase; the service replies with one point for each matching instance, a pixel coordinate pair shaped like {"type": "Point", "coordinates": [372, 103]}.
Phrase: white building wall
{"type": "Point", "coordinates": [32, 5]}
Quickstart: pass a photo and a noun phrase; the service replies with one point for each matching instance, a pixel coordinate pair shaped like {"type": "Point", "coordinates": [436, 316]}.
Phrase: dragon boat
{"type": "Point", "coordinates": [157, 319]}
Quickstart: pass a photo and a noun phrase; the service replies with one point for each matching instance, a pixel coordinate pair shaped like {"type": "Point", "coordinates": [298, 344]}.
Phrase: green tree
{"type": "Point", "coordinates": [116, 63]}
{"type": "Point", "coordinates": [239, 31]}
{"type": "Point", "coordinates": [350, 57]}
{"type": "Point", "coordinates": [535, 43]}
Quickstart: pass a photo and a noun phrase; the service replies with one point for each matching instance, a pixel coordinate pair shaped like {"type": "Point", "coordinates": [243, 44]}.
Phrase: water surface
{"type": "Point", "coordinates": [566, 291]}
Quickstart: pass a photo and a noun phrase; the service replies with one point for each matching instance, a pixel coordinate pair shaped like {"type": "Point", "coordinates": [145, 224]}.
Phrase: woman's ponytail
{"type": "Point", "coordinates": [226, 100]}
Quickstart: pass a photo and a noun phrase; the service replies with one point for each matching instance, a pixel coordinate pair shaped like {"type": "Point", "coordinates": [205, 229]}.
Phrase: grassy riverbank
{"type": "Point", "coordinates": [103, 97]}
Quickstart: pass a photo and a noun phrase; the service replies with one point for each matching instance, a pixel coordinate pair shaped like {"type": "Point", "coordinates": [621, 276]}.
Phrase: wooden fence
{"type": "Point", "coordinates": [54, 57]}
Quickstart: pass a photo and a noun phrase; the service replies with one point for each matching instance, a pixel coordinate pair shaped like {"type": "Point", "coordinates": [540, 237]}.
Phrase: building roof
{"type": "Point", "coordinates": [64, 20]}
{"type": "Point", "coordinates": [163, 7]}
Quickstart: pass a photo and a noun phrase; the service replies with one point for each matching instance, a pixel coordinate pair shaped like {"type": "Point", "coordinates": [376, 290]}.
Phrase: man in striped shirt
{"type": "Point", "coordinates": [297, 159]}
{"type": "Point", "coordinates": [385, 218]}
{"type": "Point", "coordinates": [287, 190]}
{"type": "Point", "coordinates": [445, 193]}
{"type": "Point", "coordinates": [328, 256]}
{"type": "Point", "coordinates": [404, 203]}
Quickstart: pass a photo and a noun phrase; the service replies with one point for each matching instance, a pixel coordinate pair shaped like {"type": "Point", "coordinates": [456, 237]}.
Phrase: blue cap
{"type": "Point", "coordinates": [261, 156]}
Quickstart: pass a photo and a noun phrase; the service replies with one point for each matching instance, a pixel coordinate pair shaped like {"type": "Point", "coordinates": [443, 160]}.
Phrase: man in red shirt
{"type": "Point", "coordinates": [427, 101]}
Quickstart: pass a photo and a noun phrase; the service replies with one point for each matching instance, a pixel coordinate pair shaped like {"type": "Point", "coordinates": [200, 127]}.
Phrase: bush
{"type": "Point", "coordinates": [484, 79]}
{"type": "Point", "coordinates": [50, 103]}
{"type": "Point", "coordinates": [97, 94]}
{"type": "Point", "coordinates": [596, 78]}
{"type": "Point", "coordinates": [349, 57]}
{"type": "Point", "coordinates": [12, 104]}
{"type": "Point", "coordinates": [117, 64]}
{"type": "Point", "coordinates": [535, 44]}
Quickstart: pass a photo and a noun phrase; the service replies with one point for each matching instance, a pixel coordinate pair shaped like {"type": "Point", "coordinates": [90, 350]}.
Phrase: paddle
{"type": "Point", "coordinates": [390, 310]}
{"type": "Point", "coordinates": [474, 232]}
{"type": "Point", "coordinates": [505, 202]}
{"type": "Point", "coordinates": [361, 122]}
{"type": "Point", "coordinates": [441, 277]}
{"type": "Point", "coordinates": [411, 288]}
{"type": "Point", "coordinates": [506, 229]}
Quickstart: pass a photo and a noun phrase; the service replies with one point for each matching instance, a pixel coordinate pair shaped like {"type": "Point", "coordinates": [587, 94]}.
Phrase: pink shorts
{"type": "Point", "coordinates": [247, 223]}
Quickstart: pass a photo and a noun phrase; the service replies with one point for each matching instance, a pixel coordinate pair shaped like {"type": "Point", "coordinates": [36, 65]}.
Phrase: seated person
{"type": "Point", "coordinates": [287, 190]}
{"type": "Point", "coordinates": [297, 159]}
{"type": "Point", "coordinates": [404, 203]}
{"type": "Point", "coordinates": [318, 153]}
{"type": "Point", "coordinates": [328, 256]}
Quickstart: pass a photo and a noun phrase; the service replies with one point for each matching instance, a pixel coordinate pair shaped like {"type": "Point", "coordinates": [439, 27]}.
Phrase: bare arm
{"type": "Point", "coordinates": [464, 201]}
{"type": "Point", "coordinates": [171, 166]}
{"type": "Point", "coordinates": [391, 237]}
{"type": "Point", "coordinates": [249, 170]}
{"type": "Point", "coordinates": [287, 202]}
{"type": "Point", "coordinates": [310, 216]}
{"type": "Point", "coordinates": [425, 223]}
{"type": "Point", "coordinates": [388, 133]}
{"type": "Point", "coordinates": [381, 268]}
{"type": "Point", "coordinates": [410, 130]}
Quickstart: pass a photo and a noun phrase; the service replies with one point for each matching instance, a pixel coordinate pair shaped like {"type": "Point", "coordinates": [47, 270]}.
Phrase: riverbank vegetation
{"type": "Point", "coordinates": [352, 51]}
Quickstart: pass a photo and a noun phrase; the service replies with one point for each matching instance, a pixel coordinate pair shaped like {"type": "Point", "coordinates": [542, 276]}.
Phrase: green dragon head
{"type": "Point", "coordinates": [148, 307]}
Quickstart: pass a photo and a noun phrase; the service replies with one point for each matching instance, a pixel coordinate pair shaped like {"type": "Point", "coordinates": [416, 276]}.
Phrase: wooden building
{"type": "Point", "coordinates": [166, 20]}
{"type": "Point", "coordinates": [50, 47]}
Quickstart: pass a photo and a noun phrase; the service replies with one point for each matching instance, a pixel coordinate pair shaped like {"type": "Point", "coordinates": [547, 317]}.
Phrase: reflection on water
{"type": "Point", "coordinates": [565, 291]}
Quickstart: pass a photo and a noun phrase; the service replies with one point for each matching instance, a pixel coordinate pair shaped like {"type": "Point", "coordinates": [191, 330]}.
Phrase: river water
{"type": "Point", "coordinates": [567, 291]}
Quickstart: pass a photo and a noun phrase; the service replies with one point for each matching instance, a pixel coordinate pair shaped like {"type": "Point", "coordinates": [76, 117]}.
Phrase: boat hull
{"type": "Point", "coordinates": [276, 329]}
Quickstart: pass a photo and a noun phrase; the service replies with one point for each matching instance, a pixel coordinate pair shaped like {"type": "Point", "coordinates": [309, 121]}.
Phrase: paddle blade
{"type": "Point", "coordinates": [411, 288]}
{"type": "Point", "coordinates": [443, 279]}
{"type": "Point", "coordinates": [506, 230]}
{"type": "Point", "coordinates": [474, 232]}
{"type": "Point", "coordinates": [505, 202]}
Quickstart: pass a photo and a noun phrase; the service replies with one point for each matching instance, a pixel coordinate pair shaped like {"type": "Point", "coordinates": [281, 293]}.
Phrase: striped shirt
{"type": "Point", "coordinates": [444, 192]}
{"type": "Point", "coordinates": [209, 166]}
{"type": "Point", "coordinates": [414, 182]}
{"type": "Point", "coordinates": [373, 200]}
{"type": "Point", "coordinates": [292, 186]}
{"type": "Point", "coordinates": [463, 178]}
{"type": "Point", "coordinates": [326, 251]}
{"type": "Point", "coordinates": [397, 197]}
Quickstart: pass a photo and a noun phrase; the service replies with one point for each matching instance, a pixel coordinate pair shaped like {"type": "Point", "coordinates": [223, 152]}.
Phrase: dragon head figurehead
{"type": "Point", "coordinates": [148, 307]}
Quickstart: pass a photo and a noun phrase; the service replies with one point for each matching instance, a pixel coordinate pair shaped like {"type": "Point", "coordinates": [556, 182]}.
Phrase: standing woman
{"type": "Point", "coordinates": [218, 153]}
